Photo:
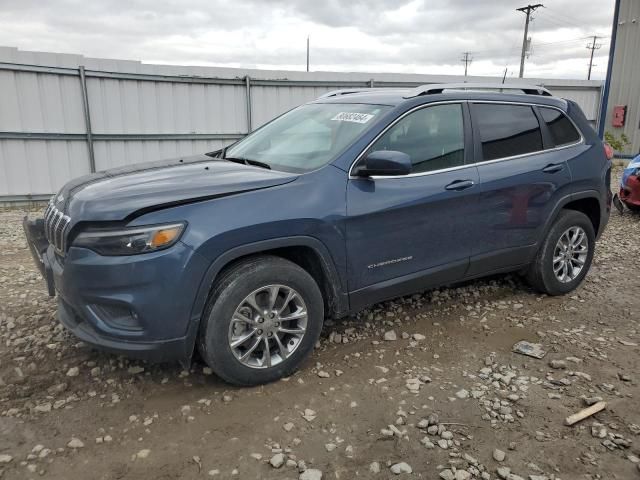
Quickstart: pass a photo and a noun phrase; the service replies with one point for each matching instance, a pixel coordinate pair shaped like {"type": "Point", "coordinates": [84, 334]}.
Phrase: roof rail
{"type": "Point", "coordinates": [348, 91]}
{"type": "Point", "coordinates": [441, 87]}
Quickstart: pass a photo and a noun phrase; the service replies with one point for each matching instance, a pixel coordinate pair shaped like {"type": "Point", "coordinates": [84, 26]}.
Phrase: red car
{"type": "Point", "coordinates": [630, 186]}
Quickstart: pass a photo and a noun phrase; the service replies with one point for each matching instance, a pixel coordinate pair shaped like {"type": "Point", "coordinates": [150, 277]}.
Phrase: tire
{"type": "Point", "coordinates": [541, 275]}
{"type": "Point", "coordinates": [243, 293]}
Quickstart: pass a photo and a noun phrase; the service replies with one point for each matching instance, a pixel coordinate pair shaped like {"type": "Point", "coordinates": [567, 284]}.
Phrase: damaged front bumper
{"type": "Point", "coordinates": [629, 193]}
{"type": "Point", "coordinates": [113, 303]}
{"type": "Point", "coordinates": [38, 244]}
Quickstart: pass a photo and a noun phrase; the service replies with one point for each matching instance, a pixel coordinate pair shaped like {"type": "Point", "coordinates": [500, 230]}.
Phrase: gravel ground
{"type": "Point", "coordinates": [421, 387]}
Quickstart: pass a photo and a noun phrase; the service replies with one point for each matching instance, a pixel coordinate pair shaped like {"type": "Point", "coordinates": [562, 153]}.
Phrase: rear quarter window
{"type": "Point", "coordinates": [507, 130]}
{"type": "Point", "coordinates": [560, 127]}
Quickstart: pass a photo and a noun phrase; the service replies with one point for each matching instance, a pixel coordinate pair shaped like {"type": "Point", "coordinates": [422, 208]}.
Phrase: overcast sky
{"type": "Point", "coordinates": [418, 36]}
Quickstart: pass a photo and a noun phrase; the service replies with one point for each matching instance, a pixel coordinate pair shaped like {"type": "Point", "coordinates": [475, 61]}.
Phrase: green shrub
{"type": "Point", "coordinates": [617, 143]}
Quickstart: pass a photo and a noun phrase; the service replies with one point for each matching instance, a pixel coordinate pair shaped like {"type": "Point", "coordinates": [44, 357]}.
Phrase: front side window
{"type": "Point", "coordinates": [307, 137]}
{"type": "Point", "coordinates": [433, 137]}
{"type": "Point", "coordinates": [507, 130]}
{"type": "Point", "coordinates": [560, 127]}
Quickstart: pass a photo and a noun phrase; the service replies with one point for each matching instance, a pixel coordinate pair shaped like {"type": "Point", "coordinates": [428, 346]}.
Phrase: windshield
{"type": "Point", "coordinates": [307, 137]}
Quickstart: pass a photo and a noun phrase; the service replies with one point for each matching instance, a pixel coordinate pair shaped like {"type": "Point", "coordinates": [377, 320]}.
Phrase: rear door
{"type": "Point", "coordinates": [407, 232]}
{"type": "Point", "coordinates": [522, 177]}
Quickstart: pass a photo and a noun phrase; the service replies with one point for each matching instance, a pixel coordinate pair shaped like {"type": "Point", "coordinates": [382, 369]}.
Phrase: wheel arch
{"type": "Point", "coordinates": [587, 202]}
{"type": "Point", "coordinates": [307, 252]}
{"type": "Point", "coordinates": [590, 206]}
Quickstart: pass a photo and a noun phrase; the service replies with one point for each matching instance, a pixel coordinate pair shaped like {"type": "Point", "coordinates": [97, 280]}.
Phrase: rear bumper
{"type": "Point", "coordinates": [140, 306]}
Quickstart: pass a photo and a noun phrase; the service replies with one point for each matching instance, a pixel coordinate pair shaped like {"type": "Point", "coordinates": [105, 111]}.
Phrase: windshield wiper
{"type": "Point", "coordinates": [248, 161]}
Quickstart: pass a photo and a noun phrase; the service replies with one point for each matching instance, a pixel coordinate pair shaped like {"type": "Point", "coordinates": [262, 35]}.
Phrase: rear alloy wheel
{"type": "Point", "coordinates": [570, 254]}
{"type": "Point", "coordinates": [262, 320]}
{"type": "Point", "coordinates": [565, 256]}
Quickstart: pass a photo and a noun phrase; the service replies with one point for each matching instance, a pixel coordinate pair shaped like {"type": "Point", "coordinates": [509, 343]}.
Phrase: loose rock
{"type": "Point", "coordinates": [401, 467]}
{"type": "Point", "coordinates": [277, 460]}
{"type": "Point", "coordinates": [499, 455]}
{"type": "Point", "coordinates": [311, 474]}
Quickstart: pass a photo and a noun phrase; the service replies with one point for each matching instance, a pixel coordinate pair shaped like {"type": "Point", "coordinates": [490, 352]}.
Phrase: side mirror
{"type": "Point", "coordinates": [384, 162]}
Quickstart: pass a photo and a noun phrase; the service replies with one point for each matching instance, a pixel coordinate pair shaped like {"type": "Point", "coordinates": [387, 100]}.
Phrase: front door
{"type": "Point", "coordinates": [410, 232]}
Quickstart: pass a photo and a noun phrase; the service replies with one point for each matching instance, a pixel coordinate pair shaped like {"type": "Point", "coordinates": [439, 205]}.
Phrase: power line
{"type": "Point", "coordinates": [561, 18]}
{"type": "Point", "coordinates": [527, 10]}
{"type": "Point", "coordinates": [466, 59]}
{"type": "Point", "coordinates": [552, 22]}
{"type": "Point", "coordinates": [517, 49]}
{"type": "Point", "coordinates": [593, 47]}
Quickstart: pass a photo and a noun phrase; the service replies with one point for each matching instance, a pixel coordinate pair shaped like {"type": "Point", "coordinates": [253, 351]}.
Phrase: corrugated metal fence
{"type": "Point", "coordinates": [62, 115]}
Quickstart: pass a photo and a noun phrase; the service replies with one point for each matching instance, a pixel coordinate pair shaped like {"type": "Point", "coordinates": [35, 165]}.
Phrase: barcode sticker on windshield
{"type": "Point", "coordinates": [352, 117]}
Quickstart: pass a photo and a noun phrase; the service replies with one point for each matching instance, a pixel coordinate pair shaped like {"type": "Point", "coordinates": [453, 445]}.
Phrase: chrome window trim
{"type": "Point", "coordinates": [475, 164]}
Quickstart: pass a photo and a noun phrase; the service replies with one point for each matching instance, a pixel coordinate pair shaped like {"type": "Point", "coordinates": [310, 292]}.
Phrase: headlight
{"type": "Point", "coordinates": [130, 241]}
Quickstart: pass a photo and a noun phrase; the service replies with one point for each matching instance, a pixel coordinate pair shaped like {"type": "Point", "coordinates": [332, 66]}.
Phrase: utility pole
{"type": "Point", "coordinates": [307, 53]}
{"type": "Point", "coordinates": [527, 10]}
{"type": "Point", "coordinates": [593, 47]}
{"type": "Point", "coordinates": [466, 59]}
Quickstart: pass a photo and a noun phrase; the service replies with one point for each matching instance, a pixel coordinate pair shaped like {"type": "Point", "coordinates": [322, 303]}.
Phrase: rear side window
{"type": "Point", "coordinates": [560, 127]}
{"type": "Point", "coordinates": [507, 130]}
{"type": "Point", "coordinates": [433, 137]}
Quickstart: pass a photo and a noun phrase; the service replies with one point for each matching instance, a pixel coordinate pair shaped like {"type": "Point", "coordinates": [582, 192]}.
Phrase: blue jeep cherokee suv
{"type": "Point", "coordinates": [357, 197]}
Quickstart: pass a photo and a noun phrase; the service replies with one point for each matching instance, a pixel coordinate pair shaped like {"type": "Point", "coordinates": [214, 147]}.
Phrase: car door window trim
{"type": "Point", "coordinates": [475, 163]}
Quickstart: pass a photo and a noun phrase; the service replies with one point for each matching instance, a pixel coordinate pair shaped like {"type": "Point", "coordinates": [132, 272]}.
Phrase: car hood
{"type": "Point", "coordinates": [126, 192]}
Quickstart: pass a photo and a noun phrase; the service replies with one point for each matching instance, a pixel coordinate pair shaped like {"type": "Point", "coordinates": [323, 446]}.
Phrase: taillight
{"type": "Point", "coordinates": [608, 151]}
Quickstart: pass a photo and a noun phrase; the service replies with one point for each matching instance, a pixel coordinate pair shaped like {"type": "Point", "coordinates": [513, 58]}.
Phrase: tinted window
{"type": "Point", "coordinates": [507, 130]}
{"type": "Point", "coordinates": [562, 130]}
{"type": "Point", "coordinates": [433, 137]}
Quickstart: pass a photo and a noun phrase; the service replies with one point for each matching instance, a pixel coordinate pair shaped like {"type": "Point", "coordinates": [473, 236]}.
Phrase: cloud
{"type": "Point", "coordinates": [348, 35]}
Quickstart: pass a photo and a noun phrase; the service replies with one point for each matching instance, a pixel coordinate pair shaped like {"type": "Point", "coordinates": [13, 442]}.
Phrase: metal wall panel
{"type": "Point", "coordinates": [115, 153]}
{"type": "Point", "coordinates": [269, 102]}
{"type": "Point", "coordinates": [41, 96]}
{"type": "Point", "coordinates": [625, 79]}
{"type": "Point", "coordinates": [37, 167]}
{"type": "Point", "coordinates": [40, 103]}
{"type": "Point", "coordinates": [129, 106]}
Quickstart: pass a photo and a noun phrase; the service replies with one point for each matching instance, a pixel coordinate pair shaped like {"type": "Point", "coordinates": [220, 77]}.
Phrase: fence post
{"type": "Point", "coordinates": [87, 118]}
{"type": "Point", "coordinates": [247, 82]}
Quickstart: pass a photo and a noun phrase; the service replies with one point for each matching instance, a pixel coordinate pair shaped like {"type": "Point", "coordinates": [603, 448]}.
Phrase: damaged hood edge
{"type": "Point", "coordinates": [128, 192]}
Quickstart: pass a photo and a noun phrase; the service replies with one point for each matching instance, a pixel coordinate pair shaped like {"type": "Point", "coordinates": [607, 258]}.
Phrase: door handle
{"type": "Point", "coordinates": [459, 185]}
{"type": "Point", "coordinates": [553, 168]}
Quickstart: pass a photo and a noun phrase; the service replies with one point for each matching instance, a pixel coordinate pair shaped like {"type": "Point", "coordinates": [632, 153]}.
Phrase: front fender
{"type": "Point", "coordinates": [328, 265]}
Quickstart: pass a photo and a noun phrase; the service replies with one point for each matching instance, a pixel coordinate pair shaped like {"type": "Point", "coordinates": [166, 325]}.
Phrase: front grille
{"type": "Point", "coordinates": [56, 225]}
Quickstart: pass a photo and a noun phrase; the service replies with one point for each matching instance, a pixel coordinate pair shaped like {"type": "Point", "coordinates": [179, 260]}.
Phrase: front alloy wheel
{"type": "Point", "coordinates": [268, 326]}
{"type": "Point", "coordinates": [263, 317]}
